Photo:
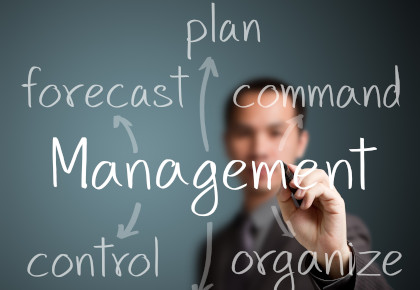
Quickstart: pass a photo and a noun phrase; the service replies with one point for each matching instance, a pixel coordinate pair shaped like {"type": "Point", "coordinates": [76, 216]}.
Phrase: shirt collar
{"type": "Point", "coordinates": [262, 216]}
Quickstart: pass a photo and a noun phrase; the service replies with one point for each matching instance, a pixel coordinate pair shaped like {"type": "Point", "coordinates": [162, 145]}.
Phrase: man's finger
{"type": "Point", "coordinates": [286, 204]}
{"type": "Point", "coordinates": [328, 197]}
{"type": "Point", "coordinates": [312, 179]}
{"type": "Point", "coordinates": [292, 167]}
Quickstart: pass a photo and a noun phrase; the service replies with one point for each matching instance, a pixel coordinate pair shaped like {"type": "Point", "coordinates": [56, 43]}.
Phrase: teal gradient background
{"type": "Point", "coordinates": [355, 43]}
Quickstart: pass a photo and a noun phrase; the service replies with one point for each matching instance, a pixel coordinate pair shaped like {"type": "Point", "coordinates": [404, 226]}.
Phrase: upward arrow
{"type": "Point", "coordinates": [120, 120]}
{"type": "Point", "coordinates": [208, 66]}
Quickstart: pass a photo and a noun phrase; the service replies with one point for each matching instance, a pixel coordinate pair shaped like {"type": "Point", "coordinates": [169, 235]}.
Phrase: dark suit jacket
{"type": "Point", "coordinates": [225, 247]}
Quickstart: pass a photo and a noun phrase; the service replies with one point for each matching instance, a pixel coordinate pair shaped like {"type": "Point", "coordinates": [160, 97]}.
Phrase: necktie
{"type": "Point", "coordinates": [248, 233]}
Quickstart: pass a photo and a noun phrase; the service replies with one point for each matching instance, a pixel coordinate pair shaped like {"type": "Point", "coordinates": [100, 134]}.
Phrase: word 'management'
{"type": "Point", "coordinates": [109, 169]}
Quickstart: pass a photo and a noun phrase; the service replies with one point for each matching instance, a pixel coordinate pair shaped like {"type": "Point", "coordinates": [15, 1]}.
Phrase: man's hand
{"type": "Point", "coordinates": [320, 222]}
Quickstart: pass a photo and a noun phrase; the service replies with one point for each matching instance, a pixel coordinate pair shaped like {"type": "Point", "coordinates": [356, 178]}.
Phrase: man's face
{"type": "Point", "coordinates": [255, 134]}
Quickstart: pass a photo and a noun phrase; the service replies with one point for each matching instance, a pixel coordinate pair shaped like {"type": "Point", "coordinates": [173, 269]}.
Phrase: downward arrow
{"type": "Point", "coordinates": [207, 263]}
{"type": "Point", "coordinates": [209, 66]}
{"type": "Point", "coordinates": [127, 232]}
{"type": "Point", "coordinates": [127, 125]}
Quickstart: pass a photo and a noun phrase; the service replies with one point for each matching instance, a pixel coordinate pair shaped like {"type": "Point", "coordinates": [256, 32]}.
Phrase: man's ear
{"type": "Point", "coordinates": [303, 143]}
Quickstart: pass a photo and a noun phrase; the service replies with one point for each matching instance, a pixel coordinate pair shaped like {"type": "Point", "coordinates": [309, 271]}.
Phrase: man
{"type": "Point", "coordinates": [255, 132]}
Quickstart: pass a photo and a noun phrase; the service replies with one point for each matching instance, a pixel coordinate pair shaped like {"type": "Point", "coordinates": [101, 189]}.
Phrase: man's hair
{"type": "Point", "coordinates": [256, 85]}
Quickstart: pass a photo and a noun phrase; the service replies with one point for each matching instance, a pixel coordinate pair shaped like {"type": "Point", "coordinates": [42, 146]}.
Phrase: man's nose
{"type": "Point", "coordinates": [260, 147]}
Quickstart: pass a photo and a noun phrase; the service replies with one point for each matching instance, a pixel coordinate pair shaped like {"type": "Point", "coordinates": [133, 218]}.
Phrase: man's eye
{"type": "Point", "coordinates": [276, 133]}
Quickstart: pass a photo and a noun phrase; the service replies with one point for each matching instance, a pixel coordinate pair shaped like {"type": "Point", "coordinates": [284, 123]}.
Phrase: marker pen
{"type": "Point", "coordinates": [289, 177]}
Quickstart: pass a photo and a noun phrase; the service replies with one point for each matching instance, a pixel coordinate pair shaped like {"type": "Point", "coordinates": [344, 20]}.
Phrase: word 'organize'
{"type": "Point", "coordinates": [304, 268]}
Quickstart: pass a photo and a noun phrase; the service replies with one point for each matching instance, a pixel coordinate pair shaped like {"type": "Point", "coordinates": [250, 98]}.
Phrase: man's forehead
{"type": "Point", "coordinates": [275, 113]}
{"type": "Point", "coordinates": [265, 99]}
{"type": "Point", "coordinates": [238, 123]}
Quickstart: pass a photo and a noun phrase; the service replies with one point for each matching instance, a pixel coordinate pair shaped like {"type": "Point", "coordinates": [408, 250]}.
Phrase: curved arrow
{"type": "Point", "coordinates": [209, 66]}
{"type": "Point", "coordinates": [283, 227]}
{"type": "Point", "coordinates": [127, 125]}
{"type": "Point", "coordinates": [127, 232]}
{"type": "Point", "coordinates": [298, 120]}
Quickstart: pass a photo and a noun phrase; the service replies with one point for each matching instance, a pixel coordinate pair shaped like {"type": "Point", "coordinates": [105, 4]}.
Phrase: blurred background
{"type": "Point", "coordinates": [355, 43]}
